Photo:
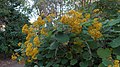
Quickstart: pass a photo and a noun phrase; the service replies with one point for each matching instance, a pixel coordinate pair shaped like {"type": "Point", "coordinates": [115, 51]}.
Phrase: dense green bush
{"type": "Point", "coordinates": [77, 39]}
{"type": "Point", "coordinates": [13, 20]}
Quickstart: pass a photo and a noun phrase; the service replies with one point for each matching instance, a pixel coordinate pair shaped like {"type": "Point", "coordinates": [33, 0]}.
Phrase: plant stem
{"type": "Point", "coordinates": [89, 50]}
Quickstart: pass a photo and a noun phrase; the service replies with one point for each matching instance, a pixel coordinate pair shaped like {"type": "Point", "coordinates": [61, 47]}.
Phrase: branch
{"type": "Point", "coordinates": [89, 50]}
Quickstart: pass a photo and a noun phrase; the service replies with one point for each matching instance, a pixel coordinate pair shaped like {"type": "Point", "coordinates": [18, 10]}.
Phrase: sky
{"type": "Point", "coordinates": [34, 15]}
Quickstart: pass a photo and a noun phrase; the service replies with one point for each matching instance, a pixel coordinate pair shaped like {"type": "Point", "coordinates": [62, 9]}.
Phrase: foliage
{"type": "Point", "coordinates": [13, 20]}
{"type": "Point", "coordinates": [76, 39]}
{"type": "Point", "coordinates": [109, 8]}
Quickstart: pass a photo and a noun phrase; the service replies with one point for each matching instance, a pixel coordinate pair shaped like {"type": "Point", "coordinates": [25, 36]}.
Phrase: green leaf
{"type": "Point", "coordinates": [116, 51]}
{"type": "Point", "coordinates": [49, 64]}
{"type": "Point", "coordinates": [54, 45]}
{"type": "Point", "coordinates": [64, 61]}
{"type": "Point", "coordinates": [113, 22]}
{"type": "Point", "coordinates": [76, 48]}
{"type": "Point", "coordinates": [61, 37]}
{"type": "Point", "coordinates": [115, 43]}
{"type": "Point", "coordinates": [69, 55]}
{"type": "Point", "coordinates": [73, 62]}
{"type": "Point", "coordinates": [58, 61]}
{"type": "Point", "coordinates": [55, 65]}
{"type": "Point", "coordinates": [39, 57]}
{"type": "Point", "coordinates": [118, 57]}
{"type": "Point", "coordinates": [93, 44]}
{"type": "Point", "coordinates": [101, 65]}
{"type": "Point", "coordinates": [103, 53]}
{"type": "Point", "coordinates": [107, 62]}
{"type": "Point", "coordinates": [86, 55]}
{"type": "Point", "coordinates": [117, 28]}
{"type": "Point", "coordinates": [40, 63]}
{"type": "Point", "coordinates": [83, 64]}
{"type": "Point", "coordinates": [49, 55]}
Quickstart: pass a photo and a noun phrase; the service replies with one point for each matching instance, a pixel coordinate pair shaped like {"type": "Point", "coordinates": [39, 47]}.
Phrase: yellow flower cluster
{"type": "Point", "coordinates": [39, 22]}
{"type": "Point", "coordinates": [31, 50]}
{"type": "Point", "coordinates": [119, 11]}
{"type": "Point", "coordinates": [94, 30]}
{"type": "Point", "coordinates": [74, 19]}
{"type": "Point", "coordinates": [28, 31]}
{"type": "Point", "coordinates": [43, 31]}
{"type": "Point", "coordinates": [115, 64]}
{"type": "Point", "coordinates": [87, 16]}
{"type": "Point", "coordinates": [32, 42]}
{"type": "Point", "coordinates": [25, 29]}
{"type": "Point", "coordinates": [19, 44]}
{"type": "Point", "coordinates": [29, 36]}
{"type": "Point", "coordinates": [36, 41]}
{"type": "Point", "coordinates": [14, 56]}
{"type": "Point", "coordinates": [96, 10]}
{"type": "Point", "coordinates": [49, 17]}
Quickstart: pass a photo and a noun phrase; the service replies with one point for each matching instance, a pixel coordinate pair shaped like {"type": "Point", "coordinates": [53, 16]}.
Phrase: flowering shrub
{"type": "Point", "coordinates": [75, 40]}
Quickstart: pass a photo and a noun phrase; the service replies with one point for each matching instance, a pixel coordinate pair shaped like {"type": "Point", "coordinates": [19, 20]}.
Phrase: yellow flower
{"type": "Point", "coordinates": [119, 11]}
{"type": "Point", "coordinates": [28, 50]}
{"type": "Point", "coordinates": [96, 10]}
{"type": "Point", "coordinates": [25, 29]}
{"type": "Point", "coordinates": [109, 65]}
{"type": "Point", "coordinates": [19, 44]}
{"type": "Point", "coordinates": [26, 42]}
{"type": "Point", "coordinates": [13, 57]}
{"type": "Point", "coordinates": [96, 19]}
{"type": "Point", "coordinates": [29, 60]}
{"type": "Point", "coordinates": [52, 15]}
{"type": "Point", "coordinates": [78, 15]}
{"type": "Point", "coordinates": [71, 12]}
{"type": "Point", "coordinates": [97, 25]}
{"type": "Point", "coordinates": [76, 29]}
{"type": "Point", "coordinates": [33, 57]}
{"type": "Point", "coordinates": [116, 65]}
{"type": "Point", "coordinates": [25, 26]}
{"type": "Point", "coordinates": [87, 16]}
{"type": "Point", "coordinates": [35, 24]}
{"type": "Point", "coordinates": [84, 20]}
{"type": "Point", "coordinates": [39, 18]}
{"type": "Point", "coordinates": [36, 41]}
{"type": "Point", "coordinates": [29, 45]}
{"type": "Point", "coordinates": [64, 19]}
{"type": "Point", "coordinates": [31, 29]}
{"type": "Point", "coordinates": [48, 18]}
{"type": "Point", "coordinates": [42, 15]}
{"type": "Point", "coordinates": [17, 54]}
{"type": "Point", "coordinates": [43, 32]}
{"type": "Point", "coordinates": [34, 52]}
{"type": "Point", "coordinates": [116, 61]}
{"type": "Point", "coordinates": [29, 36]}
{"type": "Point", "coordinates": [95, 33]}
{"type": "Point", "coordinates": [42, 22]}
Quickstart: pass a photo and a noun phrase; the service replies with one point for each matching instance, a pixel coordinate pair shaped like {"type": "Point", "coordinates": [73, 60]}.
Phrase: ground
{"type": "Point", "coordinates": [7, 62]}
{"type": "Point", "coordinates": [10, 63]}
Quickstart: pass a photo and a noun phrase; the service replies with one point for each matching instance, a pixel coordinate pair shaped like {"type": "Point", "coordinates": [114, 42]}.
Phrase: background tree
{"type": "Point", "coordinates": [13, 20]}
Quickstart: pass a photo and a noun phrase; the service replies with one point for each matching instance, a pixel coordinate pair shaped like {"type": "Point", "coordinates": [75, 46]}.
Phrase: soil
{"type": "Point", "coordinates": [10, 63]}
